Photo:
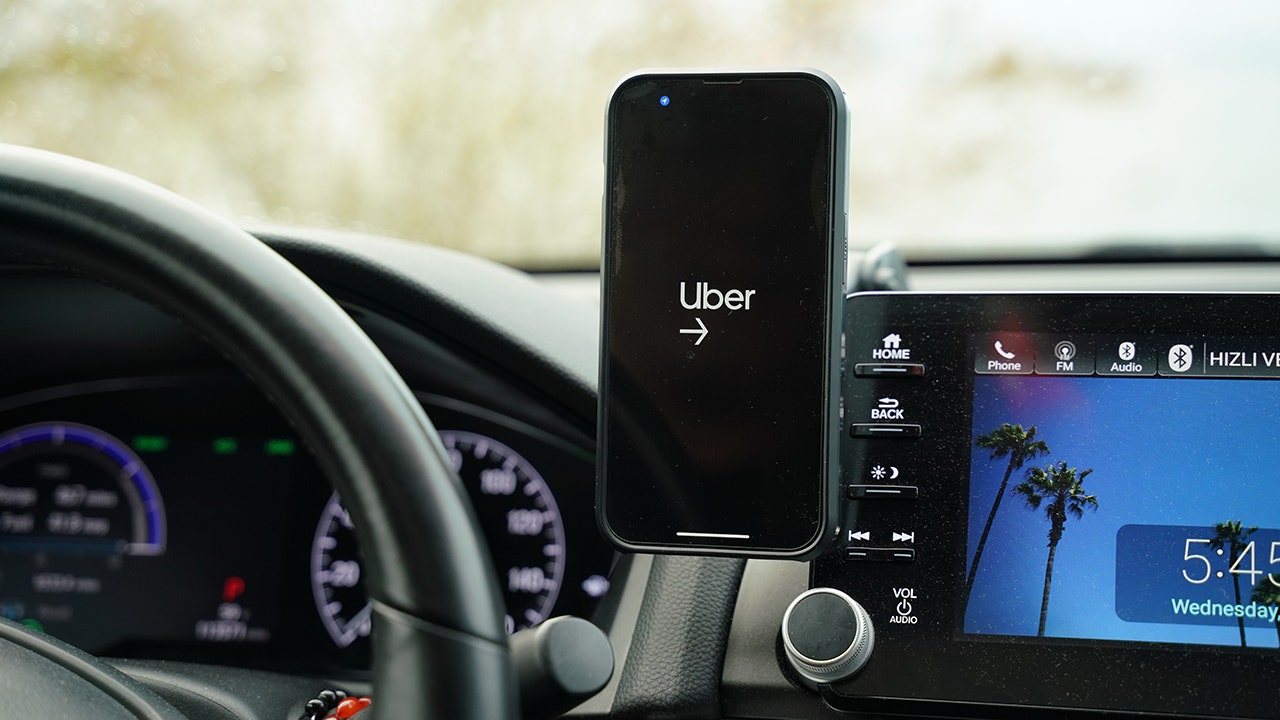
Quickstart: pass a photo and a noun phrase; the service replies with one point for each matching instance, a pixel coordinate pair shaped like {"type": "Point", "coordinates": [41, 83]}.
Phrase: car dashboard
{"type": "Point", "coordinates": [187, 522]}
{"type": "Point", "coordinates": [155, 505]}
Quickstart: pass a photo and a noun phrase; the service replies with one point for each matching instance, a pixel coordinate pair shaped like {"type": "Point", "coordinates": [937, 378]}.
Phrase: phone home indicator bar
{"type": "Point", "coordinates": [714, 536]}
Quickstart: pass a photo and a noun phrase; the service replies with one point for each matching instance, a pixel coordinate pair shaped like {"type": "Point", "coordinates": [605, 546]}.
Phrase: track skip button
{"type": "Point", "coordinates": [879, 554]}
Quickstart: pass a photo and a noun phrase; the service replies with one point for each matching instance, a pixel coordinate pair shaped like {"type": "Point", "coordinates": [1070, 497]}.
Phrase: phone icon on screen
{"type": "Point", "coordinates": [1004, 353]}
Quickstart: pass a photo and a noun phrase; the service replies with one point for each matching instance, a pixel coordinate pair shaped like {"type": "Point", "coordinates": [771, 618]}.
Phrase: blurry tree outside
{"type": "Point", "coordinates": [479, 124]}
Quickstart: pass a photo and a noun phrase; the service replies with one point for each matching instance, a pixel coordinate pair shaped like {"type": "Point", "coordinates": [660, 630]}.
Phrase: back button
{"type": "Point", "coordinates": [884, 430]}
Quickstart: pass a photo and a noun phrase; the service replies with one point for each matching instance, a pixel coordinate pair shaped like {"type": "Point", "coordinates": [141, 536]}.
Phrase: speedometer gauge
{"type": "Point", "coordinates": [518, 515]}
{"type": "Point", "coordinates": [521, 524]}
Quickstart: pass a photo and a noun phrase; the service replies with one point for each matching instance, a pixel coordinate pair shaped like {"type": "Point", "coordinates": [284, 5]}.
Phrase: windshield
{"type": "Point", "coordinates": [979, 129]}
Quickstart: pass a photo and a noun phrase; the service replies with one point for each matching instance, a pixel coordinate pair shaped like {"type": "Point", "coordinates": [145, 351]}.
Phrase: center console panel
{"type": "Point", "coordinates": [1061, 501]}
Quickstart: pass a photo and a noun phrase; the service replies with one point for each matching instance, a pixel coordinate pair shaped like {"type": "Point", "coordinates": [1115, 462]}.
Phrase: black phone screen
{"type": "Point", "coordinates": [722, 273]}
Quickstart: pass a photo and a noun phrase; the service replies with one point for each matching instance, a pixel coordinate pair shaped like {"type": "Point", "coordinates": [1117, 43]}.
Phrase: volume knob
{"type": "Point", "coordinates": [827, 635]}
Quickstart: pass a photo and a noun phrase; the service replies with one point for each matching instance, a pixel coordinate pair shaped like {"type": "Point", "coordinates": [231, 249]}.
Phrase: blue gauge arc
{"type": "Point", "coordinates": [72, 488]}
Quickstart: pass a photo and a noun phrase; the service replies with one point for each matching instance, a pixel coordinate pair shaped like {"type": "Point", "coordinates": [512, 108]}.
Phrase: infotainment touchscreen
{"type": "Point", "coordinates": [1064, 501]}
{"type": "Point", "coordinates": [1132, 508]}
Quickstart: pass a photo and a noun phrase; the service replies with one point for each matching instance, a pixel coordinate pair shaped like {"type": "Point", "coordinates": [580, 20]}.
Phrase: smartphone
{"type": "Point", "coordinates": [722, 295]}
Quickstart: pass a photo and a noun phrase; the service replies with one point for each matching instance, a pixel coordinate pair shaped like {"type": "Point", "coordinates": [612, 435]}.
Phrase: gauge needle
{"type": "Point", "coordinates": [352, 628]}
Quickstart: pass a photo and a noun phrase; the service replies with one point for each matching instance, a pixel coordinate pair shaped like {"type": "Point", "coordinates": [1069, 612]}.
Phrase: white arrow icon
{"type": "Point", "coordinates": [701, 332]}
{"type": "Point", "coordinates": [888, 403]}
{"type": "Point", "coordinates": [904, 537]}
{"type": "Point", "coordinates": [864, 535]}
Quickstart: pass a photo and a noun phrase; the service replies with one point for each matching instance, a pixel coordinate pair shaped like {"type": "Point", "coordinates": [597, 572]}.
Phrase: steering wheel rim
{"type": "Point", "coordinates": [440, 648]}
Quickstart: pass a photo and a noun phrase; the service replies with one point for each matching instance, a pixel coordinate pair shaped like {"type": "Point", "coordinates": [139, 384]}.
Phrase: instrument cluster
{"type": "Point", "coordinates": [180, 518]}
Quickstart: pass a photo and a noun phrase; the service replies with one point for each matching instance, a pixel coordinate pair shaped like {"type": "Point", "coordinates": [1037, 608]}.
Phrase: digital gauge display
{"type": "Point", "coordinates": [73, 490]}
{"type": "Point", "coordinates": [518, 515]}
{"type": "Point", "coordinates": [135, 536]}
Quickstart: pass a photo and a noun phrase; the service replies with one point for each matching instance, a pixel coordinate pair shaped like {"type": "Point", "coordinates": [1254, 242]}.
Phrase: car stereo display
{"type": "Point", "coordinates": [1131, 509]}
{"type": "Point", "coordinates": [1062, 501]}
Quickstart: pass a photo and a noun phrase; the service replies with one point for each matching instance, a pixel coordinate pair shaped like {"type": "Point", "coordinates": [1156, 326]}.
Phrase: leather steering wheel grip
{"type": "Point", "coordinates": [440, 649]}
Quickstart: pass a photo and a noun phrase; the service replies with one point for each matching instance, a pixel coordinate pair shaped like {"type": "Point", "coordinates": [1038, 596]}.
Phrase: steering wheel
{"type": "Point", "coordinates": [439, 646]}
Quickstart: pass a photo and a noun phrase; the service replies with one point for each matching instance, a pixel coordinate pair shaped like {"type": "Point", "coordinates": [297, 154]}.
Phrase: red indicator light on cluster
{"type": "Point", "coordinates": [232, 589]}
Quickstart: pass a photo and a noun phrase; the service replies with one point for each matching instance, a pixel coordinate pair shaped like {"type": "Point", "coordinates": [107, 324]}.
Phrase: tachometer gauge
{"type": "Point", "coordinates": [520, 520]}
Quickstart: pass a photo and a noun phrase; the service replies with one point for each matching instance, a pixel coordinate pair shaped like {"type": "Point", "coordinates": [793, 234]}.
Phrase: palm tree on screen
{"type": "Point", "coordinates": [1061, 490]}
{"type": "Point", "coordinates": [1267, 592]}
{"type": "Point", "coordinates": [1232, 535]}
{"type": "Point", "coordinates": [1019, 445]}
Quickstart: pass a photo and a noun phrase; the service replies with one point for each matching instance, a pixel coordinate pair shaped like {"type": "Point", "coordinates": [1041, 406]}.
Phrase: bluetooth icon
{"type": "Point", "coordinates": [1180, 358]}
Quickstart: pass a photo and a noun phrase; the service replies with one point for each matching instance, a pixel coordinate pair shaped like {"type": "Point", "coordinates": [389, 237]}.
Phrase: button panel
{"type": "Point", "coordinates": [885, 395]}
